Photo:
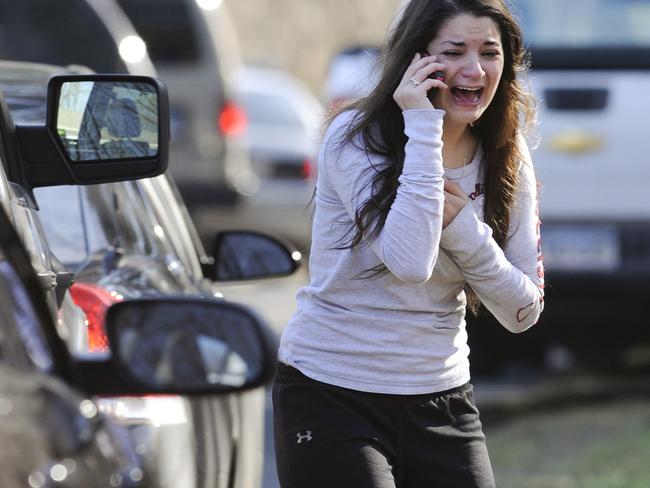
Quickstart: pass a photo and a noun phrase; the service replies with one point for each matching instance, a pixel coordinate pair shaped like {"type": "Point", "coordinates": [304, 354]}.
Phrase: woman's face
{"type": "Point", "coordinates": [470, 48]}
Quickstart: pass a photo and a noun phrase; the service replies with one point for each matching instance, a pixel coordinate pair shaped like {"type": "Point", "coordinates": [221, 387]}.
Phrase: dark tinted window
{"type": "Point", "coordinates": [166, 27]}
{"type": "Point", "coordinates": [57, 32]}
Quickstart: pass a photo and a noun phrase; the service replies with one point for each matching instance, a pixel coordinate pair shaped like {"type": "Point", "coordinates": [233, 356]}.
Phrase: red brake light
{"type": "Point", "coordinates": [94, 300]}
{"type": "Point", "coordinates": [307, 169]}
{"type": "Point", "coordinates": [232, 120]}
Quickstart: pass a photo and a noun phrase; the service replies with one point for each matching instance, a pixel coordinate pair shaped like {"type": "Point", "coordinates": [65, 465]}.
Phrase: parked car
{"type": "Point", "coordinates": [54, 278]}
{"type": "Point", "coordinates": [134, 239]}
{"type": "Point", "coordinates": [73, 443]}
{"type": "Point", "coordinates": [52, 433]}
{"type": "Point", "coordinates": [127, 240]}
{"type": "Point", "coordinates": [195, 49]}
{"type": "Point", "coordinates": [226, 447]}
{"type": "Point", "coordinates": [282, 138]}
{"type": "Point", "coordinates": [590, 69]}
{"type": "Point", "coordinates": [40, 31]}
{"type": "Point", "coordinates": [48, 430]}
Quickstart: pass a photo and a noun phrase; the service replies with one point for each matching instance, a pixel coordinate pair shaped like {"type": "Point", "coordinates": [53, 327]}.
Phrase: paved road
{"type": "Point", "coordinates": [274, 300]}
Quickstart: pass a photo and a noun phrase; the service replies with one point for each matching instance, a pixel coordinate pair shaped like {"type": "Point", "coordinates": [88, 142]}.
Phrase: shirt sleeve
{"type": "Point", "coordinates": [509, 282]}
{"type": "Point", "coordinates": [408, 244]}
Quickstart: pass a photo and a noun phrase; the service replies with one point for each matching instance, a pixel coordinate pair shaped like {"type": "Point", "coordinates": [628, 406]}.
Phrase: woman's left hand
{"type": "Point", "coordinates": [455, 200]}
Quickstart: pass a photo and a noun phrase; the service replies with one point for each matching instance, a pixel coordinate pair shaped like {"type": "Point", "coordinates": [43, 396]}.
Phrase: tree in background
{"type": "Point", "coordinates": [302, 36]}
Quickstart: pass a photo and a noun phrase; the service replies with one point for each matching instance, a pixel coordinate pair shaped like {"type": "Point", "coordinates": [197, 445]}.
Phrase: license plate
{"type": "Point", "coordinates": [581, 248]}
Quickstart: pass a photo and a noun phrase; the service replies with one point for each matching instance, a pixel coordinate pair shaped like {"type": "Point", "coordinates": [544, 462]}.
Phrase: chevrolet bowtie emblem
{"type": "Point", "coordinates": [576, 142]}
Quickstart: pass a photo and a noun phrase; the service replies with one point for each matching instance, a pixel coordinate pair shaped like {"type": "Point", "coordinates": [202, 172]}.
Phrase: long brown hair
{"type": "Point", "coordinates": [381, 126]}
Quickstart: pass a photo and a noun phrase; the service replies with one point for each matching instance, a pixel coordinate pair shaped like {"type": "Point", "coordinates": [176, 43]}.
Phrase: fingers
{"type": "Point", "coordinates": [412, 90]}
{"type": "Point", "coordinates": [452, 207]}
{"type": "Point", "coordinates": [421, 68]}
{"type": "Point", "coordinates": [429, 84]}
{"type": "Point", "coordinates": [414, 66]}
{"type": "Point", "coordinates": [424, 72]}
{"type": "Point", "coordinates": [453, 188]}
{"type": "Point", "coordinates": [418, 62]}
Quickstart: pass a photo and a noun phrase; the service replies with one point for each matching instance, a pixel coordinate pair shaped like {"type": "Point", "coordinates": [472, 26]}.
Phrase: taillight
{"type": "Point", "coordinates": [232, 120]}
{"type": "Point", "coordinates": [94, 301]}
{"type": "Point", "coordinates": [307, 169]}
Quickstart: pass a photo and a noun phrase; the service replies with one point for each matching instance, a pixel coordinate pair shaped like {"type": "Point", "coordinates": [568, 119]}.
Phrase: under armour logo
{"type": "Point", "coordinates": [303, 437]}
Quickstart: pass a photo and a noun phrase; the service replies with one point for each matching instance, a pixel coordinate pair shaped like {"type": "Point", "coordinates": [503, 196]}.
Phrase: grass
{"type": "Point", "coordinates": [604, 445]}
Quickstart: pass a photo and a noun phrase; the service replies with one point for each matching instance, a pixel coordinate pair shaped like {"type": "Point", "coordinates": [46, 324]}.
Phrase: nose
{"type": "Point", "coordinates": [473, 68]}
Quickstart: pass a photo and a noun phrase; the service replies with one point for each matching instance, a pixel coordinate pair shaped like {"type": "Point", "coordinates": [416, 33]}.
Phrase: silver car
{"type": "Point", "coordinates": [135, 239]}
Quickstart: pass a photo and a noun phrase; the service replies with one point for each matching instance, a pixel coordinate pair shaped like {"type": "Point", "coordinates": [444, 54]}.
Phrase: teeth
{"type": "Point", "coordinates": [468, 89]}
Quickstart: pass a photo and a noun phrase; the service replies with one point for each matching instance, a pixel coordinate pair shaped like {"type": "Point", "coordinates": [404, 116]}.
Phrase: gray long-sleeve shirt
{"type": "Point", "coordinates": [403, 332]}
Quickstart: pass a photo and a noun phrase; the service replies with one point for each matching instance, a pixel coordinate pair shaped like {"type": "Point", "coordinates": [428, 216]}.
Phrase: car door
{"type": "Point", "coordinates": [49, 433]}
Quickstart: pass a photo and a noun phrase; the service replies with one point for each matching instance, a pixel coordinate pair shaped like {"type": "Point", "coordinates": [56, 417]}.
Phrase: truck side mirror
{"type": "Point", "coordinates": [100, 128]}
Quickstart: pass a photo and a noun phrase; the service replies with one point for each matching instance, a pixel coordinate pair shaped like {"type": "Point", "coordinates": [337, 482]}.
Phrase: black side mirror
{"type": "Point", "coordinates": [189, 345]}
{"type": "Point", "coordinates": [100, 128]}
{"type": "Point", "coordinates": [245, 255]}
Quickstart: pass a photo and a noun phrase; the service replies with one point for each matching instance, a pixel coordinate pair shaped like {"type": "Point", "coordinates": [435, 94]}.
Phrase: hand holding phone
{"type": "Point", "coordinates": [436, 75]}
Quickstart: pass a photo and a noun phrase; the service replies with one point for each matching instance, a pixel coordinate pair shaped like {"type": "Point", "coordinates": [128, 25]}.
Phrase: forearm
{"type": "Point", "coordinates": [513, 296]}
{"type": "Point", "coordinates": [408, 242]}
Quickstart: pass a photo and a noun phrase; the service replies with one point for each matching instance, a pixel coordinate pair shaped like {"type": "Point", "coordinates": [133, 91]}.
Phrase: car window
{"type": "Point", "coordinates": [166, 26]}
{"type": "Point", "coordinates": [24, 88]}
{"type": "Point", "coordinates": [166, 209]}
{"type": "Point", "coordinates": [22, 342]}
{"type": "Point", "coordinates": [585, 23]}
{"type": "Point", "coordinates": [28, 32]}
{"type": "Point", "coordinates": [62, 218]}
{"type": "Point", "coordinates": [30, 229]}
{"type": "Point", "coordinates": [268, 109]}
{"type": "Point", "coordinates": [82, 221]}
{"type": "Point", "coordinates": [139, 218]}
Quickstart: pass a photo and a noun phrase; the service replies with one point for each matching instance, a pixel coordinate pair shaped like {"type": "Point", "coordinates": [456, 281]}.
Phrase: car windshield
{"type": "Point", "coordinates": [167, 28]}
{"type": "Point", "coordinates": [62, 33]}
{"type": "Point", "coordinates": [268, 109]}
{"type": "Point", "coordinates": [585, 23]}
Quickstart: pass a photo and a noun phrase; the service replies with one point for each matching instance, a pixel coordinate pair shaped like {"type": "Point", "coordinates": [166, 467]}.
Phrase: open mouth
{"type": "Point", "coordinates": [467, 95]}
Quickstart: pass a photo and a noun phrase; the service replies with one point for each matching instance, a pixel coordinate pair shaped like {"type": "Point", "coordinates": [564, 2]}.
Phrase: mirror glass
{"type": "Point", "coordinates": [187, 345]}
{"type": "Point", "coordinates": [102, 120]}
{"type": "Point", "coordinates": [247, 255]}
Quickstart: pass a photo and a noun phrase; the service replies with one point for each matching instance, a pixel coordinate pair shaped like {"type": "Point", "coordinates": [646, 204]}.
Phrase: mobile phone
{"type": "Point", "coordinates": [436, 75]}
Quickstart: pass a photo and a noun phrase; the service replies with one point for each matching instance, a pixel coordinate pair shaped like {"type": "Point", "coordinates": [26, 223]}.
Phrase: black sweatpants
{"type": "Point", "coordinates": [327, 436]}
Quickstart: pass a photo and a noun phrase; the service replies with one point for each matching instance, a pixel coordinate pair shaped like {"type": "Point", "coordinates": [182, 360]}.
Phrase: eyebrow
{"type": "Point", "coordinates": [462, 43]}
